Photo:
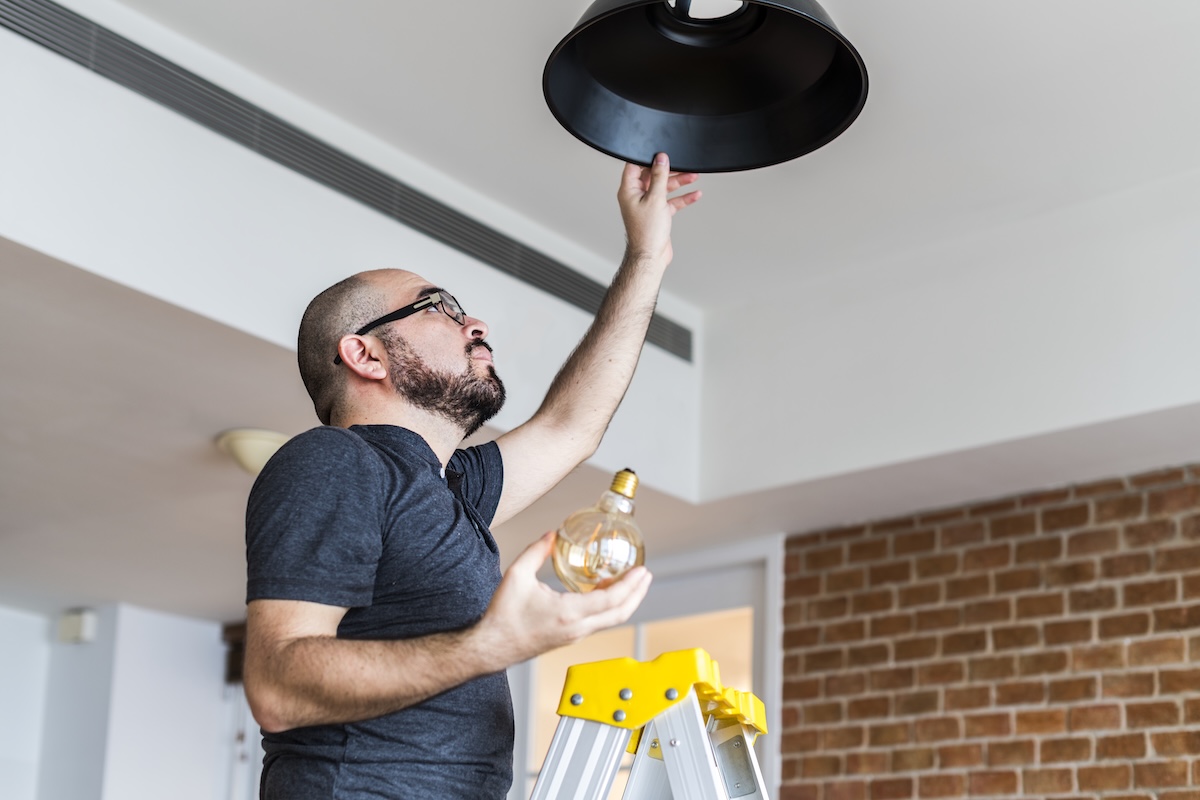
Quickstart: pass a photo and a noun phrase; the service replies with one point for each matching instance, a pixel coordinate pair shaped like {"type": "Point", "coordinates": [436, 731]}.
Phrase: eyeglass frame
{"type": "Point", "coordinates": [438, 298]}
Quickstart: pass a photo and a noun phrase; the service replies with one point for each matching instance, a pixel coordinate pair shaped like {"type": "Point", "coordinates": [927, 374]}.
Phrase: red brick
{"type": "Point", "coordinates": [824, 660]}
{"type": "Point", "coordinates": [1023, 524]}
{"type": "Point", "coordinates": [937, 566]}
{"type": "Point", "coordinates": [933, 729]}
{"type": "Point", "coordinates": [1117, 509]}
{"type": "Point", "coordinates": [964, 643]}
{"type": "Point", "coordinates": [914, 649]}
{"type": "Point", "coordinates": [1157, 774]}
{"type": "Point", "coordinates": [979, 726]}
{"type": "Point", "coordinates": [1020, 693]}
{"type": "Point", "coordinates": [1040, 550]}
{"type": "Point", "coordinates": [1149, 534]}
{"type": "Point", "coordinates": [869, 708]}
{"type": "Point", "coordinates": [1071, 632]}
{"type": "Point", "coordinates": [1040, 605]}
{"type": "Point", "coordinates": [1177, 618]}
{"type": "Point", "coordinates": [847, 580]}
{"type": "Point", "coordinates": [866, 763]}
{"type": "Point", "coordinates": [917, 542]}
{"type": "Point", "coordinates": [1179, 681]}
{"type": "Point", "coordinates": [1084, 600]}
{"type": "Point", "coordinates": [897, 678]}
{"type": "Point", "coordinates": [960, 533]}
{"type": "Point", "coordinates": [889, 734]}
{"type": "Point", "coordinates": [966, 588]}
{"type": "Point", "coordinates": [1191, 711]}
{"type": "Point", "coordinates": [914, 703]}
{"type": "Point", "coordinates": [1191, 586]}
{"type": "Point", "coordinates": [891, 789]}
{"type": "Point", "coordinates": [938, 618]}
{"type": "Point", "coordinates": [1176, 743]}
{"type": "Point", "coordinates": [1072, 690]}
{"type": "Point", "coordinates": [893, 525]}
{"type": "Point", "coordinates": [842, 534]}
{"type": "Point", "coordinates": [830, 608]}
{"type": "Point", "coordinates": [821, 713]}
{"type": "Point", "coordinates": [942, 785]}
{"type": "Point", "coordinates": [1016, 580]}
{"type": "Point", "coordinates": [1091, 542]}
{"type": "Point", "coordinates": [941, 515]}
{"type": "Point", "coordinates": [800, 741]}
{"type": "Point", "coordinates": [923, 594]}
{"type": "Point", "coordinates": [1097, 488]}
{"type": "Point", "coordinates": [1152, 715]}
{"type": "Point", "coordinates": [1128, 684]}
{"type": "Point", "coordinates": [1057, 519]}
{"type": "Point", "coordinates": [1042, 663]}
{"type": "Point", "coordinates": [1178, 559]}
{"type": "Point", "coordinates": [895, 572]}
{"type": "Point", "coordinates": [1010, 754]}
{"type": "Point", "coordinates": [992, 782]}
{"type": "Point", "coordinates": [1125, 565]}
{"type": "Point", "coordinates": [1172, 501]}
{"type": "Point", "coordinates": [806, 586]}
{"type": "Point", "coordinates": [968, 698]}
{"type": "Point", "coordinates": [1154, 592]}
{"type": "Point", "coordinates": [842, 738]}
{"type": "Point", "coordinates": [1055, 751]}
{"type": "Point", "coordinates": [891, 625]}
{"type": "Point", "coordinates": [818, 560]}
{"type": "Point", "coordinates": [843, 790]}
{"type": "Point", "coordinates": [1046, 781]}
{"type": "Point", "coordinates": [802, 791]}
{"type": "Point", "coordinates": [1156, 651]}
{"type": "Point", "coordinates": [1098, 657]}
{"type": "Point", "coordinates": [1053, 720]}
{"type": "Point", "coordinates": [845, 684]}
{"type": "Point", "coordinates": [913, 759]}
{"type": "Point", "coordinates": [850, 631]}
{"type": "Point", "coordinates": [867, 655]}
{"type": "Point", "coordinates": [1070, 573]}
{"type": "Point", "coordinates": [868, 550]}
{"type": "Point", "coordinates": [1087, 718]}
{"type": "Point", "coordinates": [1189, 526]}
{"type": "Point", "coordinates": [801, 689]}
{"type": "Point", "coordinates": [941, 672]}
{"type": "Point", "coordinates": [957, 756]}
{"type": "Point", "coordinates": [991, 508]}
{"type": "Point", "coordinates": [820, 766]}
{"type": "Point", "coordinates": [1123, 746]}
{"type": "Point", "coordinates": [1105, 778]}
{"type": "Point", "coordinates": [987, 611]}
{"type": "Point", "coordinates": [871, 602]}
{"type": "Point", "coordinates": [1120, 626]}
{"type": "Point", "coordinates": [990, 669]}
{"type": "Point", "coordinates": [987, 558]}
{"type": "Point", "coordinates": [1045, 497]}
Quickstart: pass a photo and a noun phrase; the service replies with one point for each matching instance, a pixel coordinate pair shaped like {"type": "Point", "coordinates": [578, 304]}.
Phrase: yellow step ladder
{"type": "Point", "coordinates": [692, 738]}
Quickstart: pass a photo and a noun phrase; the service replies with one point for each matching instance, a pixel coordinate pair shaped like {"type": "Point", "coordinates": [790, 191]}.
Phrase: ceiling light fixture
{"type": "Point", "coordinates": [765, 82]}
{"type": "Point", "coordinates": [251, 448]}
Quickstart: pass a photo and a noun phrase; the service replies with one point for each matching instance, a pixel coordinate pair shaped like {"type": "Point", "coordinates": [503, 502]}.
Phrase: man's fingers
{"type": "Point", "coordinates": [684, 200]}
{"type": "Point", "coordinates": [533, 556]}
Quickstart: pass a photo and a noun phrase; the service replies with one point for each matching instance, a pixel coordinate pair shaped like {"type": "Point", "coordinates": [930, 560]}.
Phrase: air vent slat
{"type": "Point", "coordinates": [128, 64]}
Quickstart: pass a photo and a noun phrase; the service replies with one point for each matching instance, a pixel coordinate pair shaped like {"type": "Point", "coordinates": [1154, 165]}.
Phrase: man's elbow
{"type": "Point", "coordinates": [267, 706]}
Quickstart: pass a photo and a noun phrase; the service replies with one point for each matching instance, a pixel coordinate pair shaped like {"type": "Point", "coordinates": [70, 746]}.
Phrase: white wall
{"type": "Point", "coordinates": [24, 659]}
{"type": "Point", "coordinates": [101, 178]}
{"type": "Point", "coordinates": [1079, 317]}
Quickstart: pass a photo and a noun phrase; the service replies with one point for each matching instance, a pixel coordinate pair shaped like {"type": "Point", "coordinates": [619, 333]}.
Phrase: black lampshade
{"type": "Point", "coordinates": [767, 83]}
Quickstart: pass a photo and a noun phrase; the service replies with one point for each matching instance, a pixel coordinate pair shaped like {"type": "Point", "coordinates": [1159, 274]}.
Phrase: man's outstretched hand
{"type": "Point", "coordinates": [647, 206]}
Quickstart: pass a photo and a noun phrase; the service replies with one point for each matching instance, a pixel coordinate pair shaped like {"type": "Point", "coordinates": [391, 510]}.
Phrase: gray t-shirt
{"type": "Point", "coordinates": [362, 518]}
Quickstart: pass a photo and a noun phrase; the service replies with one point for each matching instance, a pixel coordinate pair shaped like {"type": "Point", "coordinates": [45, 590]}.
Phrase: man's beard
{"type": "Point", "coordinates": [467, 399]}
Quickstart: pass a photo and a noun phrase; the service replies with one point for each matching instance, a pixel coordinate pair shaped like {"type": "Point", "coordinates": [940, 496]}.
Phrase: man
{"type": "Point", "coordinates": [378, 624]}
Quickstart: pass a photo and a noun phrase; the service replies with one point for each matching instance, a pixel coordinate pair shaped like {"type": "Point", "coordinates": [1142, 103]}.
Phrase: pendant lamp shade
{"type": "Point", "coordinates": [768, 82]}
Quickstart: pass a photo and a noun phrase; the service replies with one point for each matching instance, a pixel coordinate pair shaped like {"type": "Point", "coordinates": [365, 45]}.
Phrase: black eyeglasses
{"type": "Point", "coordinates": [442, 300]}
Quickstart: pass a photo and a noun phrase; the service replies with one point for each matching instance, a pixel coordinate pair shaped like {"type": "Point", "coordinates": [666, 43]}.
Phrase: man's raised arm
{"type": "Point", "coordinates": [568, 426]}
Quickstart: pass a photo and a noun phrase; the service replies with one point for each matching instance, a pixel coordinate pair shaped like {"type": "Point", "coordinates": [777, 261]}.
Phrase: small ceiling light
{"type": "Point", "coordinates": [251, 448]}
{"type": "Point", "coordinates": [761, 82]}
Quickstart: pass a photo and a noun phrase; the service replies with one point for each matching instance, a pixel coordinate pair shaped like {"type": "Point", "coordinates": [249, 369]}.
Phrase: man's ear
{"type": "Point", "coordinates": [365, 356]}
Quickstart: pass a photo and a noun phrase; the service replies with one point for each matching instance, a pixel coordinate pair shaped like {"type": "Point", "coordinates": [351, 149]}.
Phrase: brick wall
{"type": "Point", "coordinates": [1046, 645]}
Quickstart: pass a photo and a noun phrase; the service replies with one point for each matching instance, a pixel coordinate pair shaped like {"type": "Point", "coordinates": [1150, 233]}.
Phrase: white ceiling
{"type": "Point", "coordinates": [979, 116]}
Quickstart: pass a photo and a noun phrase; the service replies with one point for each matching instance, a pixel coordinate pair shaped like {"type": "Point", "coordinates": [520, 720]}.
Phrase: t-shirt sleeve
{"type": "Point", "coordinates": [314, 530]}
{"type": "Point", "coordinates": [482, 469]}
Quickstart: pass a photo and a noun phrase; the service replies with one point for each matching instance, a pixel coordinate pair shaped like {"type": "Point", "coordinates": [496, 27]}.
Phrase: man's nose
{"type": "Point", "coordinates": [475, 328]}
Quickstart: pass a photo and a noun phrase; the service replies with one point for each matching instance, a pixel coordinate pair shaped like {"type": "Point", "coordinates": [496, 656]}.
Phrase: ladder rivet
{"type": "Point", "coordinates": [626, 694]}
{"type": "Point", "coordinates": [674, 743]}
{"type": "Point", "coordinates": [737, 742]}
{"type": "Point", "coordinates": [654, 744]}
{"type": "Point", "coordinates": [672, 694]}
{"type": "Point", "coordinates": [576, 699]}
{"type": "Point", "coordinates": [619, 716]}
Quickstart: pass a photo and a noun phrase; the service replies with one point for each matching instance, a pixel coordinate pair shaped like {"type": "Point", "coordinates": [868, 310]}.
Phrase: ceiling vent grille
{"type": "Point", "coordinates": [136, 68]}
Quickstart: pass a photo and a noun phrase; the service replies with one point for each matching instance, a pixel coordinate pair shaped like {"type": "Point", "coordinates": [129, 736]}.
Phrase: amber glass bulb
{"type": "Point", "coordinates": [602, 542]}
